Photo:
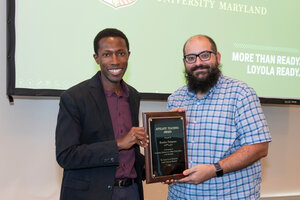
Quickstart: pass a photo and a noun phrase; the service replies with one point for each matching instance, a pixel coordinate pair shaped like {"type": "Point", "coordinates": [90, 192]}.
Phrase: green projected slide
{"type": "Point", "coordinates": [258, 41]}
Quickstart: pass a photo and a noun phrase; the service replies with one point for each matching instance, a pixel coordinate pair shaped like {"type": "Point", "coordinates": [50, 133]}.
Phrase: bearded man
{"type": "Point", "coordinates": [227, 133]}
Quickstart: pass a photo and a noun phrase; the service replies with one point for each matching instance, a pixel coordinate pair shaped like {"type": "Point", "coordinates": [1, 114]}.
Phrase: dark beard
{"type": "Point", "coordinates": [203, 86]}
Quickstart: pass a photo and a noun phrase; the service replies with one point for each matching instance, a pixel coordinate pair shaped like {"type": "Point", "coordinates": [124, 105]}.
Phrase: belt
{"type": "Point", "coordinates": [125, 182]}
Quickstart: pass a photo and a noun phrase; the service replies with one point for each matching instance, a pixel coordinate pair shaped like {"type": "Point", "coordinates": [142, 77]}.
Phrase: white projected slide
{"type": "Point", "coordinates": [258, 41]}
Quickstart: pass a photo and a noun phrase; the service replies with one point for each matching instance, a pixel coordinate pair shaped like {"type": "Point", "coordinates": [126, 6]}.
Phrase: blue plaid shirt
{"type": "Point", "coordinates": [228, 117]}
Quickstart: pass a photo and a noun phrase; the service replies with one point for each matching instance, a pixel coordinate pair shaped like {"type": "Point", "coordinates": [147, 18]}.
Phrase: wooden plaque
{"type": "Point", "coordinates": [166, 154]}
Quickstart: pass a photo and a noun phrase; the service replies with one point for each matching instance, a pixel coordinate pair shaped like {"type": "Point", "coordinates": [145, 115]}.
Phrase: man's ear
{"type": "Point", "coordinates": [219, 57]}
{"type": "Point", "coordinates": [96, 58]}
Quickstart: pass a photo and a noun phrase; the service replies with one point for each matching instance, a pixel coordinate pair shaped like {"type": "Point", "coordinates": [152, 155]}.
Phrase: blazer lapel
{"type": "Point", "coordinates": [97, 92]}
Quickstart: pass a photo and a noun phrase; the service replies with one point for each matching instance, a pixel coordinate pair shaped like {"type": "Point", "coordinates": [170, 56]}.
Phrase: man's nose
{"type": "Point", "coordinates": [198, 61]}
{"type": "Point", "coordinates": [115, 58]}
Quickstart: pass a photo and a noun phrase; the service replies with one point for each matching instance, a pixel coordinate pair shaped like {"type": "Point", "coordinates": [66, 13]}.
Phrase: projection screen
{"type": "Point", "coordinates": [50, 43]}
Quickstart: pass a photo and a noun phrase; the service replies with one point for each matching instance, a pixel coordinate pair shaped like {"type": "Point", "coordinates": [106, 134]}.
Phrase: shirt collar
{"type": "Point", "coordinates": [125, 90]}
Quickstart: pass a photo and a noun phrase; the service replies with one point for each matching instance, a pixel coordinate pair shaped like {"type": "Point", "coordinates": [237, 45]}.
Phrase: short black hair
{"type": "Point", "coordinates": [109, 32]}
{"type": "Point", "coordinates": [211, 41]}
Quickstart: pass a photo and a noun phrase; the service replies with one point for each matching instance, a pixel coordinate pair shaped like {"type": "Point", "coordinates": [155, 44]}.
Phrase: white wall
{"type": "Point", "coordinates": [28, 169]}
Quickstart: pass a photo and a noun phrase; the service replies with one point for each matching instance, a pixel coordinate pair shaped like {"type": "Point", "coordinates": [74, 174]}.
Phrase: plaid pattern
{"type": "Point", "coordinates": [228, 117]}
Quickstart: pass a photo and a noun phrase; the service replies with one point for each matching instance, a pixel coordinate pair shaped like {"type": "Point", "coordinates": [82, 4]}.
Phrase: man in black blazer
{"type": "Point", "coordinates": [97, 133]}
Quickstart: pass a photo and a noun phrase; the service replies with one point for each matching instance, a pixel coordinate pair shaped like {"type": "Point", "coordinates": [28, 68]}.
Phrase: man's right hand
{"type": "Point", "coordinates": [136, 135]}
{"type": "Point", "coordinates": [177, 110]}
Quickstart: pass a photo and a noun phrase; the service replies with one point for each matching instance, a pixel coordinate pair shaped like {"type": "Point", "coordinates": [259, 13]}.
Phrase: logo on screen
{"type": "Point", "coordinates": [118, 3]}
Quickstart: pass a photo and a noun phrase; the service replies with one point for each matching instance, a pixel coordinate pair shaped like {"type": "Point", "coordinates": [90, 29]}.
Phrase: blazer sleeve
{"type": "Point", "coordinates": [72, 150]}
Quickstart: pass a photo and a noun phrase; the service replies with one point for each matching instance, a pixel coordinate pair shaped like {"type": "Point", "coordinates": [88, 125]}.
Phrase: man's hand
{"type": "Point", "coordinates": [196, 175]}
{"type": "Point", "coordinates": [177, 110]}
{"type": "Point", "coordinates": [136, 135]}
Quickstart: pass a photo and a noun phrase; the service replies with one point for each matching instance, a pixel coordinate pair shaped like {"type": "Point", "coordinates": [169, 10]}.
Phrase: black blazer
{"type": "Point", "coordinates": [85, 144]}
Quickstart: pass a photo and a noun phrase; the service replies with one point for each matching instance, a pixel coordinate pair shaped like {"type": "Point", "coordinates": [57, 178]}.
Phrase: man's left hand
{"type": "Point", "coordinates": [198, 174]}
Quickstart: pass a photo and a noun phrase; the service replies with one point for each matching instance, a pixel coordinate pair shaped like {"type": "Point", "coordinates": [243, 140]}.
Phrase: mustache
{"type": "Point", "coordinates": [199, 67]}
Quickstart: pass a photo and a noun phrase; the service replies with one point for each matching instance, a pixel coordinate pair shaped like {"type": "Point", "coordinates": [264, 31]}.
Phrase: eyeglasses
{"type": "Point", "coordinates": [204, 56]}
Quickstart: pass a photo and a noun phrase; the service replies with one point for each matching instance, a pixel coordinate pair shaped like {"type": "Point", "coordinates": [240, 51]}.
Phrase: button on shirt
{"type": "Point", "coordinates": [224, 120]}
{"type": "Point", "coordinates": [120, 114]}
